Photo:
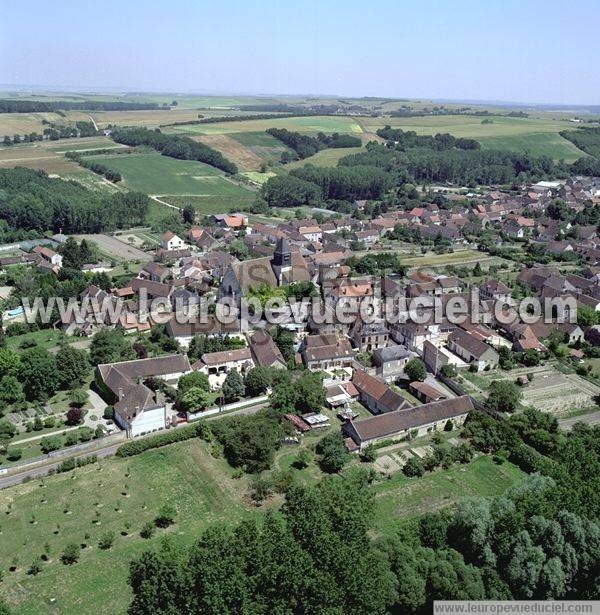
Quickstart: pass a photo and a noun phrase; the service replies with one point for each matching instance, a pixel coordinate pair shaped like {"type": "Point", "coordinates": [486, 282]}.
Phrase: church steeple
{"type": "Point", "coordinates": [283, 254]}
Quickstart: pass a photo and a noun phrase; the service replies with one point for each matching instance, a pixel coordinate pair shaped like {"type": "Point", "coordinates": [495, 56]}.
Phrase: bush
{"type": "Point", "coordinates": [70, 554]}
{"type": "Point", "coordinates": [14, 454]}
{"type": "Point", "coordinates": [302, 459]}
{"type": "Point", "coordinates": [106, 541]}
{"type": "Point", "coordinates": [261, 488]}
{"type": "Point", "coordinates": [147, 530]}
{"type": "Point", "coordinates": [198, 429]}
{"type": "Point", "coordinates": [449, 426]}
{"type": "Point", "coordinates": [34, 569]}
{"type": "Point", "coordinates": [368, 454]}
{"type": "Point", "coordinates": [413, 467]}
{"type": "Point", "coordinates": [78, 397]}
{"type": "Point", "coordinates": [51, 443]}
{"type": "Point", "coordinates": [166, 516]}
{"type": "Point", "coordinates": [109, 413]}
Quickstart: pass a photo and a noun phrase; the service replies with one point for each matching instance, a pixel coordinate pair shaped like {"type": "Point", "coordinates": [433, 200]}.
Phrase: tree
{"type": "Point", "coordinates": [11, 390]}
{"type": "Point", "coordinates": [71, 554]}
{"type": "Point", "coordinates": [78, 397]}
{"type": "Point", "coordinates": [586, 316]}
{"type": "Point", "coordinates": [257, 381]}
{"type": "Point", "coordinates": [334, 454]}
{"type": "Point", "coordinates": [10, 362]}
{"type": "Point", "coordinates": [39, 374]}
{"type": "Point", "coordinates": [192, 380]}
{"type": "Point", "coordinates": [302, 459]}
{"type": "Point", "coordinates": [188, 213]}
{"type": "Point", "coordinates": [369, 453]}
{"type": "Point", "coordinates": [415, 370]}
{"type": "Point", "coordinates": [233, 387]}
{"type": "Point", "coordinates": [75, 416]}
{"type": "Point", "coordinates": [74, 366]}
{"type": "Point", "coordinates": [194, 400]}
{"type": "Point", "coordinates": [110, 346]}
{"type": "Point", "coordinates": [504, 396]}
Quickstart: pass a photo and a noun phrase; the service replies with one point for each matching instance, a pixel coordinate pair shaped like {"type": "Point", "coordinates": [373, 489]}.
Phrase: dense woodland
{"type": "Point", "coordinates": [30, 200]}
{"type": "Point", "coordinates": [40, 106]}
{"type": "Point", "coordinates": [305, 146]}
{"type": "Point", "coordinates": [586, 139]}
{"type": "Point", "coordinates": [174, 146]}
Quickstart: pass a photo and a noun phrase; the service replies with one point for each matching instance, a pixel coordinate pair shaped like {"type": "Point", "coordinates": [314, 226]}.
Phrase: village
{"type": "Point", "coordinates": [384, 380]}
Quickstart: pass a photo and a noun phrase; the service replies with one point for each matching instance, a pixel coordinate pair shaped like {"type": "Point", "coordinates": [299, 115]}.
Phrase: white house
{"type": "Point", "coordinates": [138, 409]}
{"type": "Point", "coordinates": [170, 241]}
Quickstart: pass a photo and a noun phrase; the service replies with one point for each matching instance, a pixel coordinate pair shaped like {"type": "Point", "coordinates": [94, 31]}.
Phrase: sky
{"type": "Point", "coordinates": [502, 50]}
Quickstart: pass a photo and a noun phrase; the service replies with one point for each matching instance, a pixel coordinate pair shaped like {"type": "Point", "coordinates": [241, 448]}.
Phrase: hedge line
{"type": "Point", "coordinates": [135, 447]}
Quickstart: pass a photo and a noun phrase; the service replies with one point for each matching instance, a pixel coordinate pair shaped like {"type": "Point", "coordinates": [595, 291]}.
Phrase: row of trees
{"type": "Point", "coordinates": [39, 106]}
{"type": "Point", "coordinates": [30, 200]}
{"type": "Point", "coordinates": [402, 139]}
{"type": "Point", "coordinates": [174, 146]}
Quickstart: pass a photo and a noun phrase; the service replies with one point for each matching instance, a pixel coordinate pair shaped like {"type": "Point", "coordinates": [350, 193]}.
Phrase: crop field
{"type": "Point", "coordinates": [300, 124]}
{"type": "Point", "coordinates": [265, 146]}
{"type": "Point", "coordinates": [537, 135]}
{"type": "Point", "coordinates": [326, 157]}
{"type": "Point", "coordinates": [239, 154]}
{"type": "Point", "coordinates": [538, 144]}
{"type": "Point", "coordinates": [116, 495]}
{"type": "Point", "coordinates": [24, 123]}
{"type": "Point", "coordinates": [155, 174]}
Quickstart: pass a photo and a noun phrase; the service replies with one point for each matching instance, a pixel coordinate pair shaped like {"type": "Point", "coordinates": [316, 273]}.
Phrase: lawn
{"type": "Point", "coordinates": [155, 174]}
{"type": "Point", "coordinates": [400, 497]}
{"type": "Point", "coordinates": [115, 492]}
{"type": "Point", "coordinates": [45, 338]}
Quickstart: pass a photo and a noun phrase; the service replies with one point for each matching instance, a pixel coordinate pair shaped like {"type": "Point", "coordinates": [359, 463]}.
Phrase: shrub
{"type": "Point", "coordinates": [413, 467]}
{"type": "Point", "coordinates": [106, 541]}
{"type": "Point", "coordinates": [70, 554]}
{"type": "Point", "coordinates": [368, 454]}
{"type": "Point", "coordinates": [109, 413]}
{"type": "Point", "coordinates": [147, 530]}
{"type": "Point", "coordinates": [14, 454]}
{"type": "Point", "coordinates": [51, 443]}
{"type": "Point", "coordinates": [34, 569]}
{"type": "Point", "coordinates": [198, 429]}
{"type": "Point", "coordinates": [78, 397]}
{"type": "Point", "coordinates": [166, 516]}
{"type": "Point", "coordinates": [302, 459]}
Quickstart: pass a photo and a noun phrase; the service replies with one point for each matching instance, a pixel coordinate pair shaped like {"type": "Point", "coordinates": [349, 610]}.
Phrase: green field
{"type": "Point", "coordinates": [536, 135]}
{"type": "Point", "coordinates": [262, 144]}
{"type": "Point", "coordinates": [300, 124]}
{"type": "Point", "coordinates": [156, 174]}
{"type": "Point", "coordinates": [326, 157]}
{"type": "Point", "coordinates": [537, 144]}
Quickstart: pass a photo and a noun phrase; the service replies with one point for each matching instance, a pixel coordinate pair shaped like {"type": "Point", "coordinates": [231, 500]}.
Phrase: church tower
{"type": "Point", "coordinates": [282, 261]}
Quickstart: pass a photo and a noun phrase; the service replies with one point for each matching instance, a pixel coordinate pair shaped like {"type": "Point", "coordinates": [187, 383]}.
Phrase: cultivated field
{"type": "Point", "coordinates": [301, 124]}
{"type": "Point", "coordinates": [549, 391]}
{"type": "Point", "coordinates": [326, 157]}
{"type": "Point", "coordinates": [155, 174]}
{"type": "Point", "coordinates": [48, 155]}
{"type": "Point", "coordinates": [539, 136]}
{"type": "Point", "coordinates": [265, 146]}
{"type": "Point", "coordinates": [233, 150]}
